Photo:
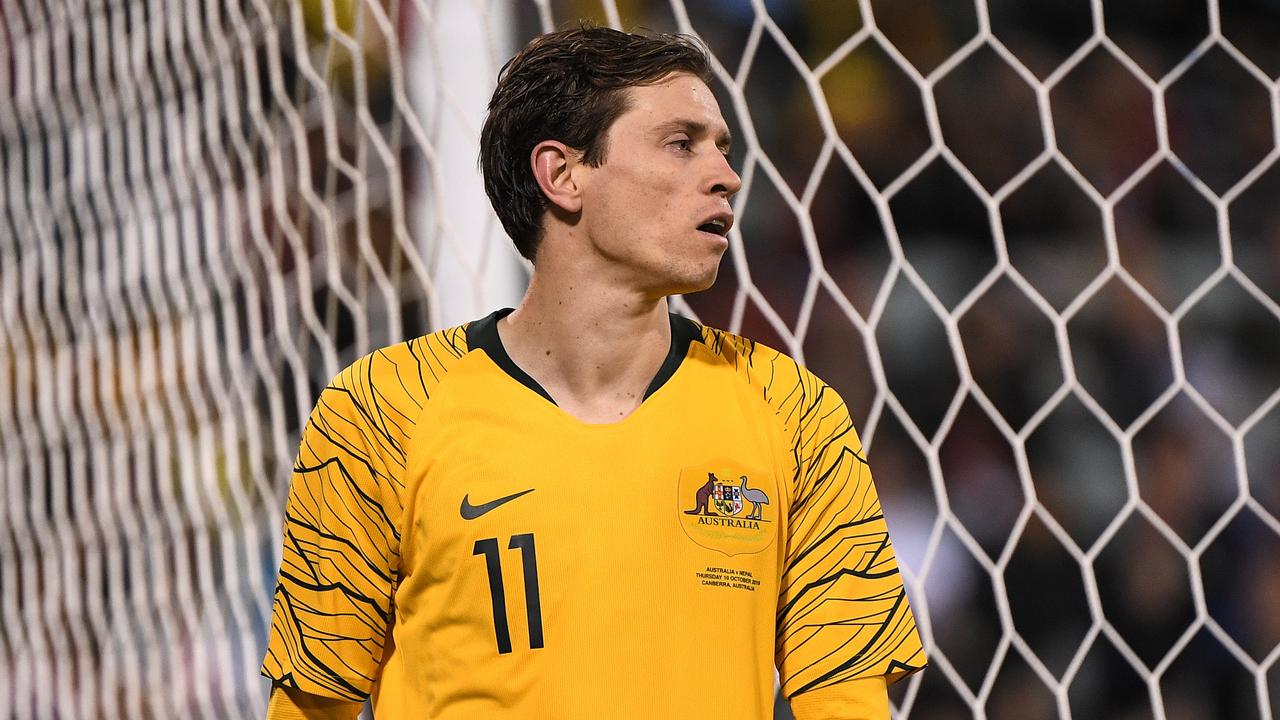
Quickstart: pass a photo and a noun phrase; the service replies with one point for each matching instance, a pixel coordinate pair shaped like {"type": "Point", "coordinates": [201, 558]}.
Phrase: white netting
{"type": "Point", "coordinates": [204, 216]}
{"type": "Point", "coordinates": [1034, 244]}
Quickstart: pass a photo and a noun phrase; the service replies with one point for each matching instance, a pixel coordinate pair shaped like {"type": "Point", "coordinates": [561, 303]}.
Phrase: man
{"type": "Point", "coordinates": [587, 507]}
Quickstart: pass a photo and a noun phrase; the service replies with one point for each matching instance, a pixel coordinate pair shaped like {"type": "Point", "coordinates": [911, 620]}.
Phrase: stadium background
{"type": "Point", "coordinates": [1035, 245]}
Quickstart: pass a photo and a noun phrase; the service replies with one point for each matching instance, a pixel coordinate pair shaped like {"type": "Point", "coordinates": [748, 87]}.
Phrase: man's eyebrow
{"type": "Point", "coordinates": [724, 140]}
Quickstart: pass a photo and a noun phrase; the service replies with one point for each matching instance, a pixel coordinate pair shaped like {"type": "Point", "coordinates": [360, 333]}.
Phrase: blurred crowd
{"type": "Point", "coordinates": [1107, 485]}
{"type": "Point", "coordinates": [1122, 510]}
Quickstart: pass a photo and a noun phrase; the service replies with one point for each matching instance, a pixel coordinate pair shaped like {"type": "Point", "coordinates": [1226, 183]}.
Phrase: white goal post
{"type": "Point", "coordinates": [1033, 244]}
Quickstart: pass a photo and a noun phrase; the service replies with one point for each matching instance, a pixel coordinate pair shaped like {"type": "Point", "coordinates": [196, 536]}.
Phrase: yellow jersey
{"type": "Point", "coordinates": [457, 546]}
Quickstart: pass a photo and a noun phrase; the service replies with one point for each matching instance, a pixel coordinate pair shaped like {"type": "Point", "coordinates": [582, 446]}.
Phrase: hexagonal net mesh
{"type": "Point", "coordinates": [1035, 245]}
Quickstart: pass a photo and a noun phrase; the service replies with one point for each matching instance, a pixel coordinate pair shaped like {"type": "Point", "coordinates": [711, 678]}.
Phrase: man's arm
{"type": "Point", "coordinates": [845, 627]}
{"type": "Point", "coordinates": [862, 699]}
{"type": "Point", "coordinates": [292, 704]}
{"type": "Point", "coordinates": [340, 555]}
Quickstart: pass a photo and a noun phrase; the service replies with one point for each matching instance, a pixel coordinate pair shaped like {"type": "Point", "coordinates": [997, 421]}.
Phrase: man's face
{"type": "Point", "coordinates": [658, 207]}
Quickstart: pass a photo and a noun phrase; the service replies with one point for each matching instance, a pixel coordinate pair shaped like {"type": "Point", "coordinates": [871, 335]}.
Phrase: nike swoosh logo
{"type": "Point", "coordinates": [471, 512]}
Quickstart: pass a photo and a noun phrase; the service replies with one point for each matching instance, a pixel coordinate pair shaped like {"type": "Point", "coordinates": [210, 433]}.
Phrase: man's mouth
{"type": "Point", "coordinates": [718, 224]}
{"type": "Point", "coordinates": [715, 227]}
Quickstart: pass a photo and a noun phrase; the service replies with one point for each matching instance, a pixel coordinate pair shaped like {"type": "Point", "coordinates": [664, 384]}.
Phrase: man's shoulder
{"type": "Point", "coordinates": [749, 357]}
{"type": "Point", "coordinates": [406, 371]}
{"type": "Point", "coordinates": [774, 373]}
{"type": "Point", "coordinates": [807, 407]}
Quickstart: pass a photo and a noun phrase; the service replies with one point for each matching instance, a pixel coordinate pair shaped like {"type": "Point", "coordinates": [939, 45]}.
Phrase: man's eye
{"type": "Point", "coordinates": [682, 144]}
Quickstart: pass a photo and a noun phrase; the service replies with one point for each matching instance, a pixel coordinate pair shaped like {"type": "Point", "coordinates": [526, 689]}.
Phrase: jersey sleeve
{"type": "Point", "coordinates": [282, 705]}
{"type": "Point", "coordinates": [340, 556]}
{"type": "Point", "coordinates": [842, 610]}
{"type": "Point", "coordinates": [861, 699]}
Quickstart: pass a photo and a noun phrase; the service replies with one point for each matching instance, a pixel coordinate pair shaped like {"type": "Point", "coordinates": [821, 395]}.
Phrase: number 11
{"type": "Point", "coordinates": [532, 602]}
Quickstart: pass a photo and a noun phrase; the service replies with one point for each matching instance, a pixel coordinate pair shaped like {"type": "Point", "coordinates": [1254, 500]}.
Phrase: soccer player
{"type": "Point", "coordinates": [587, 507]}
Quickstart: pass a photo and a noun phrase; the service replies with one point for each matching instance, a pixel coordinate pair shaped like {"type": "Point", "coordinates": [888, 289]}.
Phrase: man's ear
{"type": "Point", "coordinates": [553, 167]}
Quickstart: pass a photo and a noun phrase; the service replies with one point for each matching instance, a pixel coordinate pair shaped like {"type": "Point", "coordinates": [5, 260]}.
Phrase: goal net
{"type": "Point", "coordinates": [1035, 245]}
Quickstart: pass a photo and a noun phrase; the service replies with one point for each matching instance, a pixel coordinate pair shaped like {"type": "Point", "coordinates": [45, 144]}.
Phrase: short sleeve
{"type": "Point", "coordinates": [842, 611]}
{"type": "Point", "coordinates": [340, 554]}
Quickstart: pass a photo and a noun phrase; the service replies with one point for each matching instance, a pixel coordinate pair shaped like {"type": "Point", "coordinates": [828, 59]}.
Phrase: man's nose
{"type": "Point", "coordinates": [725, 180]}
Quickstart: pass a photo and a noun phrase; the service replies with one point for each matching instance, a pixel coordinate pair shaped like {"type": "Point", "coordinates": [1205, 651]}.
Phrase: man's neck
{"type": "Point", "coordinates": [593, 346]}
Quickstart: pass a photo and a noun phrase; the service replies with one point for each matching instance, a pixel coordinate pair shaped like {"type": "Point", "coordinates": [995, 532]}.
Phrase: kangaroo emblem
{"type": "Point", "coordinates": [703, 497]}
{"type": "Point", "coordinates": [756, 497]}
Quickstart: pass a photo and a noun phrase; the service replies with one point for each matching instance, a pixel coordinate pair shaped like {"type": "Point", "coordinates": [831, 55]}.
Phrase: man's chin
{"type": "Point", "coordinates": [693, 282]}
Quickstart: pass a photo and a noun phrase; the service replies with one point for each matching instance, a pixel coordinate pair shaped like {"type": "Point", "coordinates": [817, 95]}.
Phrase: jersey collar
{"type": "Point", "coordinates": [482, 334]}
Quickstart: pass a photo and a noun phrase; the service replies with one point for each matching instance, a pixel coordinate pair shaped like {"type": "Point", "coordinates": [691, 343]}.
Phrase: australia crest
{"type": "Point", "coordinates": [726, 506]}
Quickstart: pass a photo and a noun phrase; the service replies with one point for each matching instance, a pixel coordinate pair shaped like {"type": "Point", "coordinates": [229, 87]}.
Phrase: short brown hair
{"type": "Point", "coordinates": [567, 86]}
